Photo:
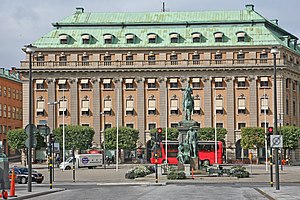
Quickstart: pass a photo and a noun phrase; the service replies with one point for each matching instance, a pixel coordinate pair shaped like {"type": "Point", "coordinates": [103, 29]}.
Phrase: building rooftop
{"type": "Point", "coordinates": [11, 74]}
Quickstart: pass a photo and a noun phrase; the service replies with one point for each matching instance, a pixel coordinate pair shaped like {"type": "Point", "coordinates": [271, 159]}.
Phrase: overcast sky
{"type": "Point", "coordinates": [24, 21]}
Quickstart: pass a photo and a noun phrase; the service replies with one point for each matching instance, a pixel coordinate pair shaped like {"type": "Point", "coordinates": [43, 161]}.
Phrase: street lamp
{"type": "Point", "coordinates": [215, 113]}
{"type": "Point", "coordinates": [104, 150]}
{"type": "Point", "coordinates": [30, 49]}
{"type": "Point", "coordinates": [274, 51]}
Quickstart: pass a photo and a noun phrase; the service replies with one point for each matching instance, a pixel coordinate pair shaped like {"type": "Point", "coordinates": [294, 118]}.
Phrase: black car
{"type": "Point", "coordinates": [21, 174]}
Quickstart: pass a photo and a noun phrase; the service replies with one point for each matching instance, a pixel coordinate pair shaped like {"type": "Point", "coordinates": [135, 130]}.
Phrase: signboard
{"type": "Point", "coordinates": [33, 129]}
{"type": "Point", "coordinates": [276, 141]}
{"type": "Point", "coordinates": [56, 147]}
{"type": "Point", "coordinates": [85, 160]}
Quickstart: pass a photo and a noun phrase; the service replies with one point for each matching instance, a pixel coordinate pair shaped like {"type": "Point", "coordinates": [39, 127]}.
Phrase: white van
{"type": "Point", "coordinates": [83, 160]}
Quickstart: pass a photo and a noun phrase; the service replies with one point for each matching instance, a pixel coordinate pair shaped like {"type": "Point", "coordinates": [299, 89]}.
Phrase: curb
{"type": "Point", "coordinates": [37, 194]}
{"type": "Point", "coordinates": [132, 184]}
{"type": "Point", "coordinates": [264, 194]}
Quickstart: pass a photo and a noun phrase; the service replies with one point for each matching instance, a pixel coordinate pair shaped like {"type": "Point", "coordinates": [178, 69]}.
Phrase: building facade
{"type": "Point", "coordinates": [132, 67]}
{"type": "Point", "coordinates": [10, 104]}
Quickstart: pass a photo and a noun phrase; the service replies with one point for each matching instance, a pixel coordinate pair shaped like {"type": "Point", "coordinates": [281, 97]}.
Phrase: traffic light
{"type": "Point", "coordinates": [269, 133]}
{"type": "Point", "coordinates": [159, 134]}
{"type": "Point", "coordinates": [52, 137]}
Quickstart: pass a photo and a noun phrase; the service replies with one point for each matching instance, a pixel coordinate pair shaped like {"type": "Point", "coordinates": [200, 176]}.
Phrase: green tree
{"type": "Point", "coordinates": [252, 137]}
{"type": "Point", "coordinates": [127, 138]}
{"type": "Point", "coordinates": [291, 136]}
{"type": "Point", "coordinates": [16, 138]}
{"type": "Point", "coordinates": [208, 134]}
{"type": "Point", "coordinates": [79, 137]}
{"type": "Point", "coordinates": [172, 133]}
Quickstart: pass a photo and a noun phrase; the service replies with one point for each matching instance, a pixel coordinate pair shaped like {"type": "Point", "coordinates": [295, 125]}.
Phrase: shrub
{"type": "Point", "coordinates": [139, 171]}
{"type": "Point", "coordinates": [239, 172]}
{"type": "Point", "coordinates": [174, 174]}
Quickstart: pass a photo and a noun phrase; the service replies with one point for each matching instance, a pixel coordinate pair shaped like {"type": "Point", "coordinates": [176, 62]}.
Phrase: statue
{"type": "Point", "coordinates": [191, 140]}
{"type": "Point", "coordinates": [183, 153]}
{"type": "Point", "coordinates": [188, 103]}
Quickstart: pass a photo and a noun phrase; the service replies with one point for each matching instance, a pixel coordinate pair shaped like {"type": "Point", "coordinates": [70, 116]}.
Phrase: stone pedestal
{"type": "Point", "coordinates": [187, 169]}
{"type": "Point", "coordinates": [180, 166]}
{"type": "Point", "coordinates": [194, 163]}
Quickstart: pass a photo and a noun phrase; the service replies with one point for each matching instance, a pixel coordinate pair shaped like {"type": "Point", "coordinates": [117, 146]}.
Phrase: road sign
{"type": "Point", "coordinates": [276, 141]}
{"type": "Point", "coordinates": [33, 129]}
{"type": "Point", "coordinates": [56, 147]}
{"type": "Point", "coordinates": [34, 142]}
{"type": "Point", "coordinates": [44, 130]}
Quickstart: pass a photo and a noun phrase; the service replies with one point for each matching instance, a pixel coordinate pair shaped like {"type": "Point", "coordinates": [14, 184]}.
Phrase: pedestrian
{"type": "Point", "coordinates": [57, 159]}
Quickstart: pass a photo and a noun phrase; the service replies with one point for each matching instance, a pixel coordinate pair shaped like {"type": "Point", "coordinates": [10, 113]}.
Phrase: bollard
{"type": "Point", "coordinates": [193, 173]}
{"type": "Point", "coordinates": [12, 191]}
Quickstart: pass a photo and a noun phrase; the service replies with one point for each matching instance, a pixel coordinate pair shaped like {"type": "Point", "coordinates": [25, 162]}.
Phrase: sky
{"type": "Point", "coordinates": [24, 21]}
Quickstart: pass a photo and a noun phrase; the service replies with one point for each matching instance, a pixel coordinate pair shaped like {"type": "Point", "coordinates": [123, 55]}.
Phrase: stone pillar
{"type": "Point", "coordinates": [96, 110]}
{"type": "Point", "coordinates": [51, 98]}
{"type": "Point", "coordinates": [208, 98]}
{"type": "Point", "coordinates": [25, 90]}
{"type": "Point", "coordinates": [253, 102]}
{"type": "Point", "coordinates": [163, 97]}
{"type": "Point", "coordinates": [141, 109]}
{"type": "Point", "coordinates": [230, 140]}
{"type": "Point", "coordinates": [119, 101]}
{"type": "Point", "coordinates": [74, 101]}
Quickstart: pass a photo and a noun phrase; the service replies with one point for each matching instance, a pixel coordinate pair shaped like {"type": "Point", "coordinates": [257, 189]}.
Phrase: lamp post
{"type": "Point", "coordinates": [104, 150]}
{"type": "Point", "coordinates": [53, 126]}
{"type": "Point", "coordinates": [215, 112]}
{"type": "Point", "coordinates": [274, 51]}
{"type": "Point", "coordinates": [30, 49]}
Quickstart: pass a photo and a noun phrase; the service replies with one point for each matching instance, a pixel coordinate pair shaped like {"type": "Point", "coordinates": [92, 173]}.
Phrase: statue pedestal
{"type": "Point", "coordinates": [187, 169]}
{"type": "Point", "coordinates": [194, 163]}
{"type": "Point", "coordinates": [180, 166]}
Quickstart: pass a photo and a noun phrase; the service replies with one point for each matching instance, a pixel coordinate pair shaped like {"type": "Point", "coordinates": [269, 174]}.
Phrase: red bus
{"type": "Point", "coordinates": [206, 153]}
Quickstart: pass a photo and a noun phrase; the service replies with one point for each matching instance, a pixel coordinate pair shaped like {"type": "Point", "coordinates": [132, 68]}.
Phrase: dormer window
{"type": "Point", "coordinates": [85, 39]}
{"type": "Point", "coordinates": [152, 38]}
{"type": "Point", "coordinates": [218, 36]}
{"type": "Point", "coordinates": [130, 38]}
{"type": "Point", "coordinates": [196, 37]}
{"type": "Point", "coordinates": [63, 39]}
{"type": "Point", "coordinates": [174, 37]}
{"type": "Point", "coordinates": [241, 36]}
{"type": "Point", "coordinates": [107, 39]}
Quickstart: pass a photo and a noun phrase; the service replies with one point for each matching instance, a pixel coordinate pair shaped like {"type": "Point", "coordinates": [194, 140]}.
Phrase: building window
{"type": "Point", "coordinates": [294, 85]}
{"type": "Point", "coordinates": [264, 106]}
{"type": "Point", "coordinates": [63, 107]}
{"type": "Point", "coordinates": [218, 37]}
{"type": "Point", "coordinates": [85, 39]}
{"type": "Point", "coordinates": [85, 125]}
{"type": "Point", "coordinates": [241, 36]}
{"type": "Point", "coordinates": [4, 111]}
{"type": "Point", "coordinates": [107, 59]}
{"type": "Point", "coordinates": [17, 95]}
{"type": "Point", "coordinates": [173, 59]}
{"type": "Point", "coordinates": [9, 112]}
{"type": "Point", "coordinates": [107, 107]}
{"type": "Point", "coordinates": [4, 91]}
{"type": "Point", "coordinates": [174, 107]}
{"type": "Point", "coordinates": [13, 93]}
{"type": "Point", "coordinates": [40, 110]}
{"type": "Point", "coordinates": [174, 38]}
{"type": "Point", "coordinates": [218, 82]}
{"type": "Point", "coordinates": [130, 125]}
{"type": "Point", "coordinates": [129, 60]}
{"type": "Point", "coordinates": [63, 60]}
{"type": "Point", "coordinates": [241, 125]}
{"type": "Point", "coordinates": [151, 107]}
{"type": "Point", "coordinates": [85, 59]}
{"type": "Point", "coordinates": [151, 83]}
{"type": "Point", "coordinates": [173, 83]}
{"type": "Point", "coordinates": [241, 82]}
{"type": "Point", "coordinates": [197, 107]}
{"type": "Point", "coordinates": [174, 125]}
{"type": "Point", "coordinates": [240, 58]}
{"type": "Point", "coordinates": [129, 107]}
{"type": "Point", "coordinates": [263, 57]}
{"type": "Point", "coordinates": [40, 84]}
{"type": "Point", "coordinates": [219, 125]}
{"type": "Point", "coordinates": [40, 59]}
{"type": "Point", "coordinates": [107, 83]}
{"type": "Point", "coordinates": [264, 124]}
{"type": "Point", "coordinates": [62, 84]}
{"type": "Point", "coordinates": [14, 112]}
{"type": "Point", "coordinates": [8, 93]}
{"type": "Point", "coordinates": [84, 84]}
{"type": "Point", "coordinates": [130, 38]}
{"type": "Point", "coordinates": [294, 108]}
{"type": "Point", "coordinates": [219, 106]}
{"type": "Point", "coordinates": [151, 126]}
{"type": "Point", "coordinates": [241, 106]}
{"type": "Point", "coordinates": [218, 58]}
{"type": "Point", "coordinates": [196, 58]}
{"type": "Point", "coordinates": [107, 39]}
{"type": "Point", "coordinates": [152, 38]}
{"type": "Point", "coordinates": [63, 39]}
{"type": "Point", "coordinates": [264, 82]}
{"type": "Point", "coordinates": [196, 37]}
{"type": "Point", "coordinates": [0, 110]}
{"type": "Point", "coordinates": [85, 107]}
{"type": "Point", "coordinates": [129, 83]}
{"type": "Point", "coordinates": [151, 59]}
{"type": "Point", "coordinates": [287, 83]}
{"type": "Point", "coordinates": [106, 126]}
{"type": "Point", "coordinates": [196, 82]}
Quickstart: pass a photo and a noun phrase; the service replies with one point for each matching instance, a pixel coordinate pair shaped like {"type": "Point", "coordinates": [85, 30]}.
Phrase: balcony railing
{"type": "Point", "coordinates": [155, 64]}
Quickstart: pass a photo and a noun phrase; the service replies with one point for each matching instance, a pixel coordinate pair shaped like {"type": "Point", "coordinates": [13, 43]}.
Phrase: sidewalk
{"type": "Point", "coordinates": [36, 192]}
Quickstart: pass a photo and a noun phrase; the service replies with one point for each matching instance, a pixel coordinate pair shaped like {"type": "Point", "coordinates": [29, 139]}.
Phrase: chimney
{"type": "Point", "coordinates": [275, 21]}
{"type": "Point", "coordinates": [250, 7]}
{"type": "Point", "coordinates": [79, 10]}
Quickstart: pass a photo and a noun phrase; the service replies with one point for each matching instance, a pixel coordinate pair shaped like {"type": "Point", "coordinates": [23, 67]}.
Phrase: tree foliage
{"type": "Point", "coordinates": [127, 138]}
{"type": "Point", "coordinates": [80, 137]}
{"type": "Point", "coordinates": [291, 136]}
{"type": "Point", "coordinates": [208, 134]}
{"type": "Point", "coordinates": [172, 133]}
{"type": "Point", "coordinates": [16, 138]}
{"type": "Point", "coordinates": [252, 137]}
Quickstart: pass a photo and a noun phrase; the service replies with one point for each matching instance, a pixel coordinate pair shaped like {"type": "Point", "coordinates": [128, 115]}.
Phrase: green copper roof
{"type": "Point", "coordinates": [259, 31]}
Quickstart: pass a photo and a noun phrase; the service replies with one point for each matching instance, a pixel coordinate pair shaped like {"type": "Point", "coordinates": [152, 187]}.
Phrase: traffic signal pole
{"type": "Point", "coordinates": [50, 163]}
{"type": "Point", "coordinates": [156, 167]}
{"type": "Point", "coordinates": [271, 167]}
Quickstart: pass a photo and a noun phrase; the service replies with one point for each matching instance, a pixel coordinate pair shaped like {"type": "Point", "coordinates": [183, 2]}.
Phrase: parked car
{"type": "Point", "coordinates": [21, 174]}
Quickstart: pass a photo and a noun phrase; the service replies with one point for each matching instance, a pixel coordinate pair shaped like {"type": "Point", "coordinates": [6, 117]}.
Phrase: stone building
{"type": "Point", "coordinates": [132, 66]}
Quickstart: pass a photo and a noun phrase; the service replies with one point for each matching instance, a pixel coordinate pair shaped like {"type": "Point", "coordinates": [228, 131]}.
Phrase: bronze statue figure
{"type": "Point", "coordinates": [188, 103]}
